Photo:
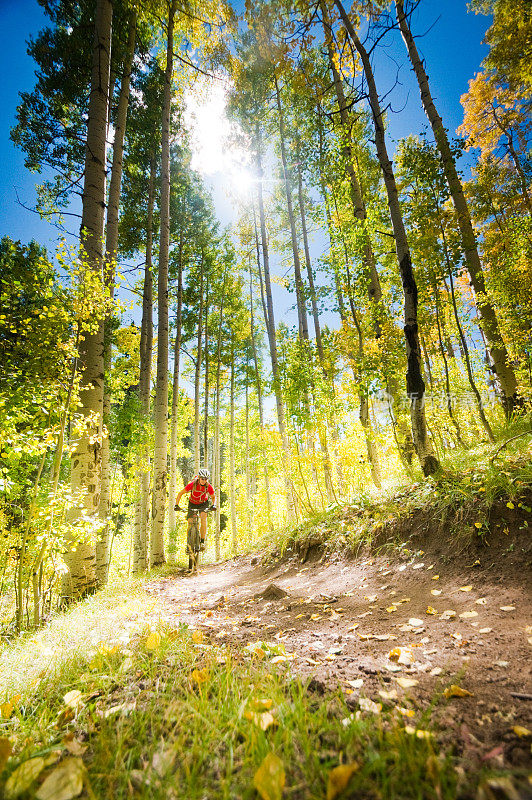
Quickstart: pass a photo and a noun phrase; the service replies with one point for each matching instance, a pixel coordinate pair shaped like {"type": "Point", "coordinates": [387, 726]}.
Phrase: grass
{"type": "Point", "coordinates": [159, 712]}
{"type": "Point", "coordinates": [461, 495]}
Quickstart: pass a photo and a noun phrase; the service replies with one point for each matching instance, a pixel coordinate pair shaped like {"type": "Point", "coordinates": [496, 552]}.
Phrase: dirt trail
{"type": "Point", "coordinates": [339, 620]}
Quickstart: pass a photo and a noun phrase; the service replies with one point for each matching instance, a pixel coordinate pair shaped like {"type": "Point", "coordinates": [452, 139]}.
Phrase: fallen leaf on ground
{"type": "Point", "coordinates": [65, 782]}
{"type": "Point", "coordinates": [368, 705]}
{"type": "Point", "coordinates": [154, 640]}
{"type": "Point", "coordinates": [456, 691]}
{"type": "Point", "coordinates": [520, 731]}
{"type": "Point", "coordinates": [406, 683]}
{"type": "Point", "coordinates": [357, 683]}
{"type": "Point", "coordinates": [507, 608]}
{"type": "Point", "coordinates": [73, 745]}
{"type": "Point", "coordinates": [23, 776]}
{"type": "Point", "coordinates": [485, 630]}
{"type": "Point", "coordinates": [388, 695]}
{"type": "Point", "coordinates": [436, 592]}
{"type": "Point", "coordinates": [449, 614]}
{"type": "Point", "coordinates": [420, 734]}
{"type": "Point", "coordinates": [415, 622]}
{"type": "Point", "coordinates": [481, 601]}
{"type": "Point", "coordinates": [339, 778]}
{"type": "Point", "coordinates": [199, 676]}
{"type": "Point", "coordinates": [6, 749]}
{"type": "Point", "coordinates": [261, 720]}
{"type": "Point", "coordinates": [353, 627]}
{"type": "Point", "coordinates": [270, 777]}
{"type": "Point", "coordinates": [390, 609]}
{"type": "Point", "coordinates": [468, 614]}
{"type": "Point", "coordinates": [197, 637]}
{"type": "Point", "coordinates": [431, 610]}
{"type": "Point", "coordinates": [403, 655]}
{"type": "Point", "coordinates": [466, 588]}
{"type": "Point", "coordinates": [74, 699]}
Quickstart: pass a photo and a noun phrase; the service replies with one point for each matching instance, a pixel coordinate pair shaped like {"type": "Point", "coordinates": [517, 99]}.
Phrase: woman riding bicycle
{"type": "Point", "coordinates": [201, 495]}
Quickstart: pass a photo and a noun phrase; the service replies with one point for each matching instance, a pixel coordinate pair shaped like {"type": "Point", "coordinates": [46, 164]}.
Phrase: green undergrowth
{"type": "Point", "coordinates": [459, 499]}
{"type": "Point", "coordinates": [160, 712]}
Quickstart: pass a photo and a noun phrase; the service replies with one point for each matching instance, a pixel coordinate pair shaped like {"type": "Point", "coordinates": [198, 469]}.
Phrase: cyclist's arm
{"type": "Point", "coordinates": [180, 495]}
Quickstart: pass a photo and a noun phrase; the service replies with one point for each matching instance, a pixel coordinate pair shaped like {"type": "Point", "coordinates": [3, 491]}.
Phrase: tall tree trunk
{"type": "Point", "coordinates": [197, 377]}
{"type": "Point", "coordinates": [160, 468]}
{"type": "Point", "coordinates": [172, 481]}
{"type": "Point", "coordinates": [463, 340]}
{"type": "Point", "coordinates": [86, 458]}
{"type": "Point", "coordinates": [497, 348]}
{"type": "Point", "coordinates": [259, 392]}
{"type": "Point", "coordinates": [300, 289]}
{"type": "Point", "coordinates": [111, 244]}
{"type": "Point", "coordinates": [206, 385]}
{"type": "Point", "coordinates": [357, 199]}
{"type": "Point", "coordinates": [217, 479]}
{"type": "Point", "coordinates": [141, 529]}
{"type": "Point", "coordinates": [270, 327]}
{"type": "Point", "coordinates": [435, 290]}
{"type": "Point", "coordinates": [232, 450]}
{"type": "Point", "coordinates": [415, 385]}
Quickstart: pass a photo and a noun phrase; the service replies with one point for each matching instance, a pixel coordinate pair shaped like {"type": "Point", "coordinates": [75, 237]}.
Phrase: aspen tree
{"type": "Point", "coordinates": [160, 455]}
{"type": "Point", "coordinates": [86, 458]}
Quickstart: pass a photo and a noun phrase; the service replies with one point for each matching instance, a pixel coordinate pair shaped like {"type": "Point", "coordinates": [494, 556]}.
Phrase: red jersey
{"type": "Point", "coordinates": [199, 494]}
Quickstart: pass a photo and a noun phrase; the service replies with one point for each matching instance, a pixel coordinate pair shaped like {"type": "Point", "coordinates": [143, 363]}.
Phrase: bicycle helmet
{"type": "Point", "coordinates": [204, 473]}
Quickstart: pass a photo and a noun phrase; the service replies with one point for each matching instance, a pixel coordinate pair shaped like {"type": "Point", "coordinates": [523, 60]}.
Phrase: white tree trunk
{"type": "Point", "coordinates": [160, 455]}
{"type": "Point", "coordinates": [86, 458]}
{"type": "Point", "coordinates": [111, 244]}
{"type": "Point", "coordinates": [141, 529]}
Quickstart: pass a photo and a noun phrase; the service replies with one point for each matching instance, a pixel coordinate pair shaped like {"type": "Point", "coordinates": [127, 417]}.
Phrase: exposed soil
{"type": "Point", "coordinates": [339, 618]}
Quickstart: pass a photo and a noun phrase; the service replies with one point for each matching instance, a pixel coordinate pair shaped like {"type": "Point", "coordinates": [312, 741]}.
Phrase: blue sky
{"type": "Point", "coordinates": [452, 48]}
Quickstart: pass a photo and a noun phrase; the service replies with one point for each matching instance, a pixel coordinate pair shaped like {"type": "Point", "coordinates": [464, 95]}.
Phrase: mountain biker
{"type": "Point", "coordinates": [201, 494]}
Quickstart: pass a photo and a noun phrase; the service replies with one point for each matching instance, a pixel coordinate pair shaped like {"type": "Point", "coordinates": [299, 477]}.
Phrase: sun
{"type": "Point", "coordinates": [219, 145]}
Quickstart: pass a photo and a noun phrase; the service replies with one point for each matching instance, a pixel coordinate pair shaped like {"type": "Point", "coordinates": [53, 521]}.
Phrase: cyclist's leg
{"type": "Point", "coordinates": [203, 528]}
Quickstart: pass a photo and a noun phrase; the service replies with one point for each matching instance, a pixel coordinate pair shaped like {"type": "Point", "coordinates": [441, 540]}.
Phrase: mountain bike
{"type": "Point", "coordinates": [193, 537]}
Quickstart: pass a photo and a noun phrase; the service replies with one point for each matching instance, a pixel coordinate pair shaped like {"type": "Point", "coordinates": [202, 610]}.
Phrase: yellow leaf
{"type": "Point", "coordinates": [435, 592]}
{"type": "Point", "coordinates": [448, 614]}
{"type": "Point", "coordinates": [520, 731]}
{"type": "Point", "coordinates": [431, 610]}
{"type": "Point", "coordinates": [507, 608]}
{"type": "Point", "coordinates": [262, 703]}
{"type": "Point", "coordinates": [6, 709]}
{"type": "Point", "coordinates": [417, 732]}
{"type": "Point", "coordinates": [73, 699]}
{"type": "Point", "coordinates": [510, 504]}
{"type": "Point", "coordinates": [468, 614]}
{"type": "Point", "coordinates": [456, 691]}
{"type": "Point", "coordinates": [270, 777]}
{"type": "Point", "coordinates": [339, 778]}
{"type": "Point", "coordinates": [390, 609]}
{"type": "Point", "coordinates": [262, 720]}
{"type": "Point", "coordinates": [481, 601]}
{"type": "Point", "coordinates": [197, 637]}
{"type": "Point", "coordinates": [406, 712]}
{"type": "Point", "coordinates": [315, 616]}
{"type": "Point", "coordinates": [406, 683]}
{"type": "Point", "coordinates": [200, 675]}
{"type": "Point", "coordinates": [5, 751]}
{"type": "Point", "coordinates": [435, 577]}
{"type": "Point", "coordinates": [353, 627]}
{"type": "Point", "coordinates": [465, 588]}
{"type": "Point", "coordinates": [478, 524]}
{"type": "Point", "coordinates": [153, 641]}
{"type": "Point", "coordinates": [65, 782]}
{"type": "Point", "coordinates": [21, 779]}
